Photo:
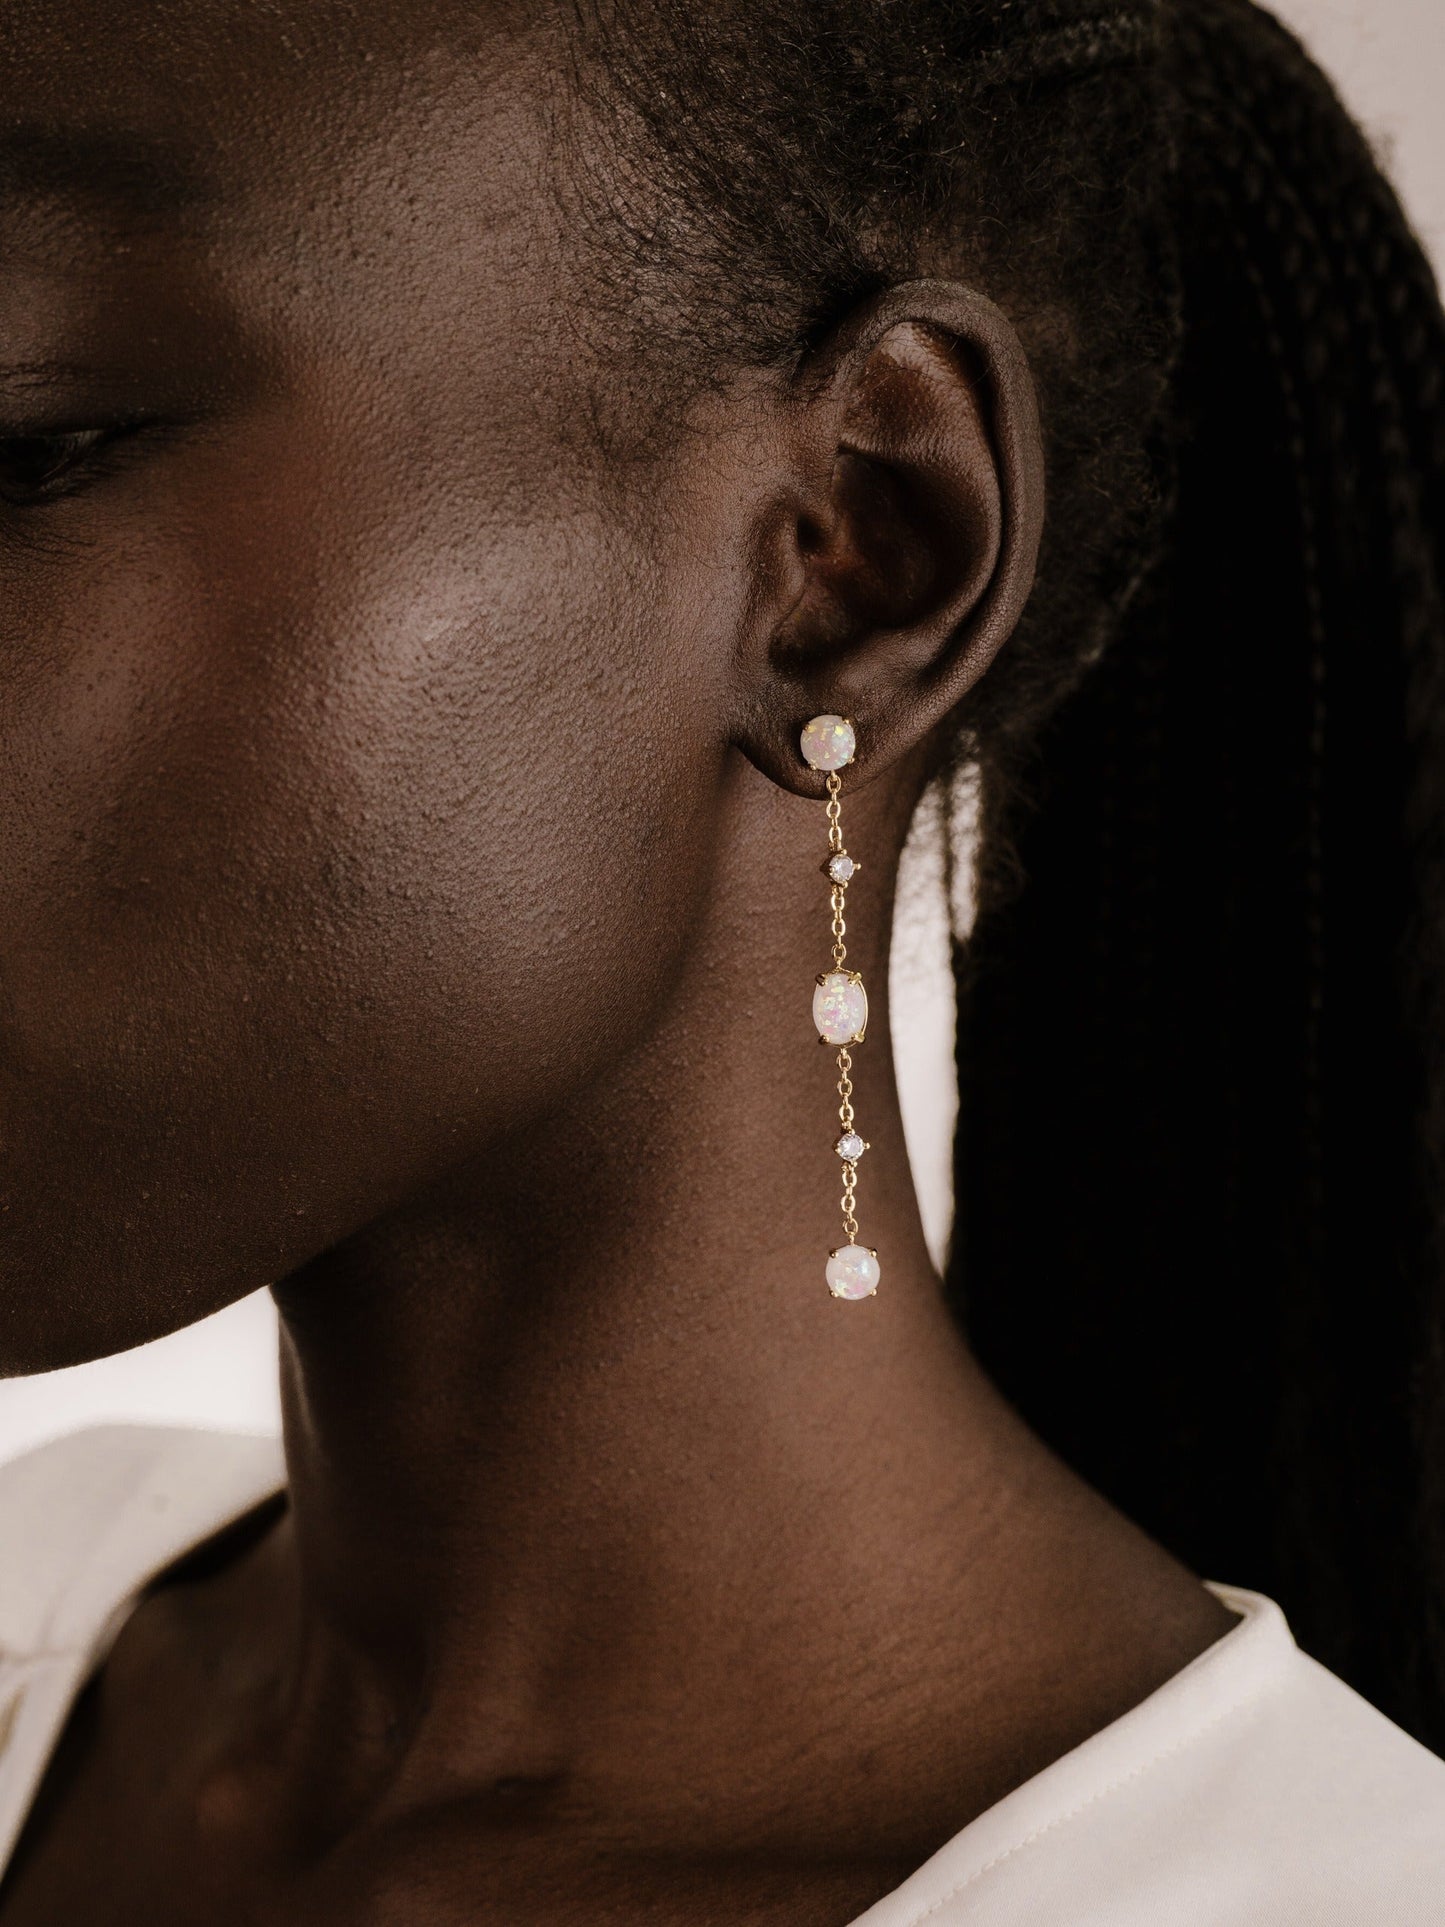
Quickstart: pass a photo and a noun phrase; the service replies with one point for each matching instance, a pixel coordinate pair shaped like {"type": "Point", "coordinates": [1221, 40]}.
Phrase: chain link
{"type": "Point", "coordinates": [845, 1088]}
{"type": "Point", "coordinates": [850, 1165]}
{"type": "Point", "coordinates": [850, 1185]}
{"type": "Point", "coordinates": [835, 811]}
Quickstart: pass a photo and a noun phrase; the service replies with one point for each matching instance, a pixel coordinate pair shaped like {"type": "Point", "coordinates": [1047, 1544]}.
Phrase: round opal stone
{"type": "Point", "coordinates": [853, 1272]}
{"type": "Point", "coordinates": [828, 742]}
{"type": "Point", "coordinates": [840, 1008]}
{"type": "Point", "coordinates": [850, 1146]}
{"type": "Point", "coordinates": [841, 867]}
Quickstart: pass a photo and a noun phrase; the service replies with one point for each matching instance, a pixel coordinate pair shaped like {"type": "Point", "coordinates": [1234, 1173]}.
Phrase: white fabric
{"type": "Point", "coordinates": [85, 1523]}
{"type": "Point", "coordinates": [1254, 1789]}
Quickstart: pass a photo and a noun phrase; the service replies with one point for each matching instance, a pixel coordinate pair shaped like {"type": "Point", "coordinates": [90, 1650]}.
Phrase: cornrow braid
{"type": "Point", "coordinates": [1080, 46]}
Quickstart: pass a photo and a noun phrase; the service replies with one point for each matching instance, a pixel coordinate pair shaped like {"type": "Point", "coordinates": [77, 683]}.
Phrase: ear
{"type": "Point", "coordinates": [901, 548]}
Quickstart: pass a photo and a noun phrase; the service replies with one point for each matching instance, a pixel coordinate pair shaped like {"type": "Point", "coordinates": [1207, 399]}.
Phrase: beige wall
{"type": "Point", "coordinates": [1387, 58]}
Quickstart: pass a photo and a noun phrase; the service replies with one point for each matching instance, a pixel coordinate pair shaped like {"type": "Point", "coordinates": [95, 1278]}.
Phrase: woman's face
{"type": "Point", "coordinates": [347, 693]}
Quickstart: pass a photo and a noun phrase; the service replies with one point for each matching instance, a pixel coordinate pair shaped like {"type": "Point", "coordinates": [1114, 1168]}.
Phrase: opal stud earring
{"type": "Point", "coordinates": [840, 1004]}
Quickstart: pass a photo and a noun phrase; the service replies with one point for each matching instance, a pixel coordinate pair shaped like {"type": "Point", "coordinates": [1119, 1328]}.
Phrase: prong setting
{"type": "Point", "coordinates": [828, 742]}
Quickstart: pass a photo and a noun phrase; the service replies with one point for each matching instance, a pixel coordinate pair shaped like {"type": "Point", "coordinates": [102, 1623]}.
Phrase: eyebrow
{"type": "Point", "coordinates": [139, 174]}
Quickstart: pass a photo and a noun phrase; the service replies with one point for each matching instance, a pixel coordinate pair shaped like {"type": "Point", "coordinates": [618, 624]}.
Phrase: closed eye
{"type": "Point", "coordinates": [40, 468]}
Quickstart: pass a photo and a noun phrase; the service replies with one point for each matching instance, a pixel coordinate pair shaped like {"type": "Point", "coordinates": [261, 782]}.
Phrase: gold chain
{"type": "Point", "coordinates": [840, 949]}
{"type": "Point", "coordinates": [835, 811]}
{"type": "Point", "coordinates": [850, 1165]}
{"type": "Point", "coordinates": [835, 846]}
{"type": "Point", "coordinates": [840, 953]}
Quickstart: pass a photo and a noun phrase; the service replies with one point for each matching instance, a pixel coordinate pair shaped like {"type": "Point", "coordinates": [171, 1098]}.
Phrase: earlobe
{"type": "Point", "coordinates": [919, 422]}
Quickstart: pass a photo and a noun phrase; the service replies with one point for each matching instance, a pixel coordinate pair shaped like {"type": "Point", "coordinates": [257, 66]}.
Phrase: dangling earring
{"type": "Point", "coordinates": [840, 1005]}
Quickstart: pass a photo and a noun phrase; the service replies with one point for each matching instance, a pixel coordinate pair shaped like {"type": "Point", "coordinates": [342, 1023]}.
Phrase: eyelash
{"type": "Point", "coordinates": [78, 457]}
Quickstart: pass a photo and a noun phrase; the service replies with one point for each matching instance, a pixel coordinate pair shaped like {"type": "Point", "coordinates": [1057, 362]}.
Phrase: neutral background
{"type": "Point", "coordinates": [1388, 59]}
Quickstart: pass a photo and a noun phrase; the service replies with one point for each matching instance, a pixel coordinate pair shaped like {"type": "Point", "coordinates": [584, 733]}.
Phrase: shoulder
{"type": "Point", "coordinates": [87, 1519]}
{"type": "Point", "coordinates": [1253, 1788]}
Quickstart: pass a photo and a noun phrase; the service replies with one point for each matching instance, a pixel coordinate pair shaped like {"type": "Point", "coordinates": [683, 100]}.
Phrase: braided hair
{"type": "Point", "coordinates": [1202, 1010]}
{"type": "Point", "coordinates": [1209, 1027]}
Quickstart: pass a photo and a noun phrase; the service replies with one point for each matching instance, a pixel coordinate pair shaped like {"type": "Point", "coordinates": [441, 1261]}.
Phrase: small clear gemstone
{"type": "Point", "coordinates": [850, 1146]}
{"type": "Point", "coordinates": [853, 1272]}
{"type": "Point", "coordinates": [841, 867]}
{"type": "Point", "coordinates": [828, 742]}
{"type": "Point", "coordinates": [840, 1007]}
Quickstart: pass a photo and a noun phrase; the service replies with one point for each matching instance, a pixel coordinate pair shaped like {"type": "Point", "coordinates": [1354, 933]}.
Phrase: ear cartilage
{"type": "Point", "coordinates": [840, 1004]}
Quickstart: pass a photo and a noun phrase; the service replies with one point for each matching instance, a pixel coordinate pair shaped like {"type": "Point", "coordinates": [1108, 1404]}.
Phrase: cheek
{"type": "Point", "coordinates": [326, 848]}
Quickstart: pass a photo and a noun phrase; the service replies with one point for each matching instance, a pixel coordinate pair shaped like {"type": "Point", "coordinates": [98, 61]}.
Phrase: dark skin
{"type": "Point", "coordinates": [411, 895]}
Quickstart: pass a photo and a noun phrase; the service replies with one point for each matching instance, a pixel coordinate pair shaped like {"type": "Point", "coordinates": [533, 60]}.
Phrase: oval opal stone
{"type": "Point", "coordinates": [828, 742]}
{"type": "Point", "coordinates": [853, 1272]}
{"type": "Point", "coordinates": [840, 1008]}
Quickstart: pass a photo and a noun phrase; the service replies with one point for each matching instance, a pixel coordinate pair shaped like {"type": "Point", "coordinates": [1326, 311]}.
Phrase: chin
{"type": "Point", "coordinates": [68, 1300]}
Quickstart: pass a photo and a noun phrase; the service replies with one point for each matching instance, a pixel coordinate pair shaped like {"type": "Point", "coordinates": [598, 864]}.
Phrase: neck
{"type": "Point", "coordinates": [593, 1482]}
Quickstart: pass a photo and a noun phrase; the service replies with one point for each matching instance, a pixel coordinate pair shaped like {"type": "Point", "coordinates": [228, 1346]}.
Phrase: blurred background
{"type": "Point", "coordinates": [1387, 57]}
